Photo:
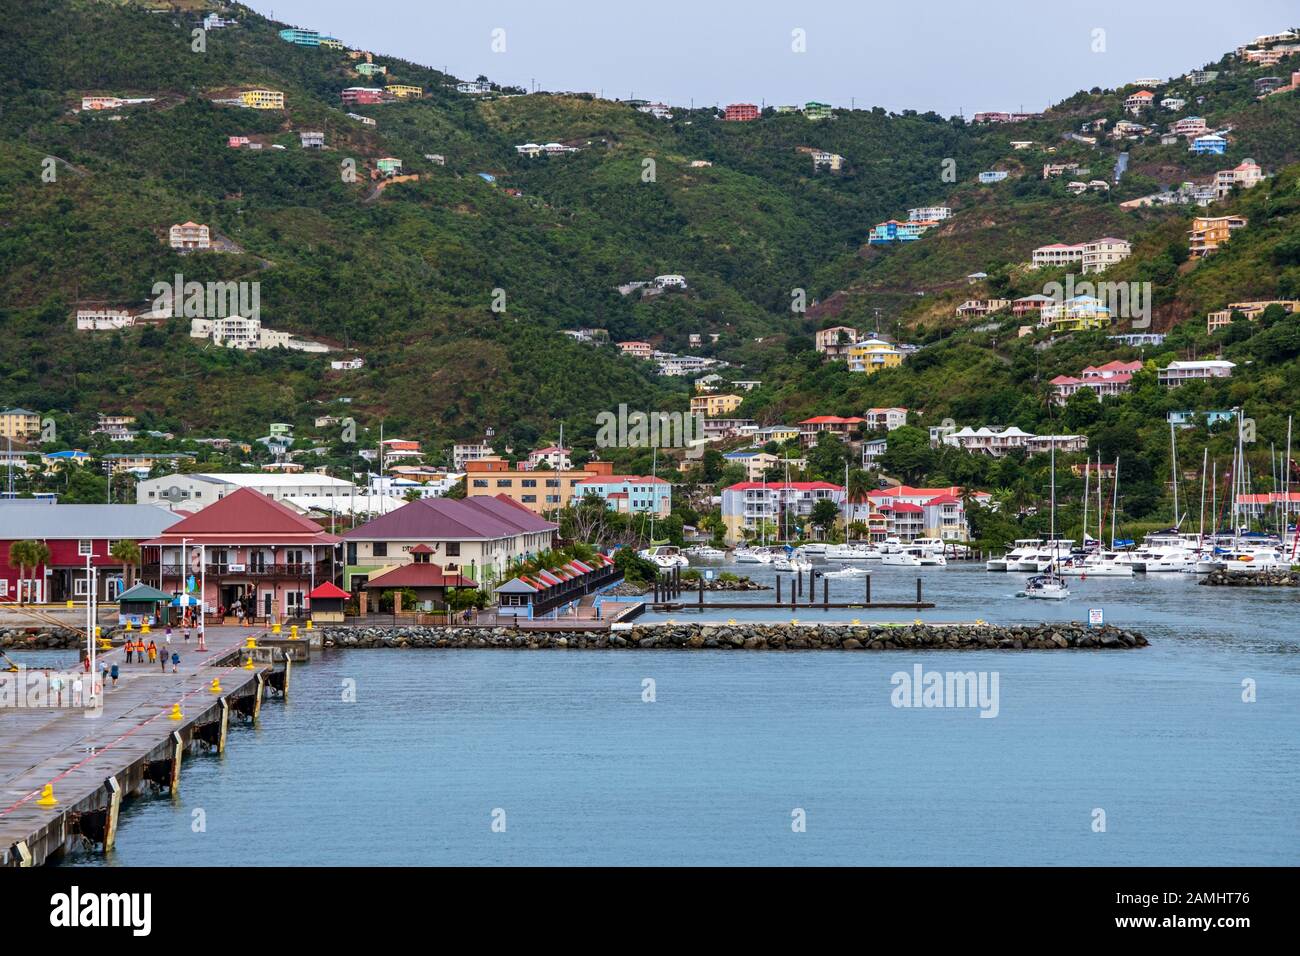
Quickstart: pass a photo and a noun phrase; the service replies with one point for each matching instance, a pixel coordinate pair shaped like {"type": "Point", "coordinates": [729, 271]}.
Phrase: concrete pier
{"type": "Point", "coordinates": [92, 760]}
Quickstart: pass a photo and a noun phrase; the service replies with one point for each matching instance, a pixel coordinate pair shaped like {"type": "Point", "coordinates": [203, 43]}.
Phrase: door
{"type": "Point", "coordinates": [268, 604]}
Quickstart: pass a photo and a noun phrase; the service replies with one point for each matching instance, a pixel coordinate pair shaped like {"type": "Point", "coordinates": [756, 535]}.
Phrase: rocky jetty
{"type": "Point", "coordinates": [38, 638]}
{"type": "Point", "coordinates": [1273, 578]}
{"type": "Point", "coordinates": [752, 636]}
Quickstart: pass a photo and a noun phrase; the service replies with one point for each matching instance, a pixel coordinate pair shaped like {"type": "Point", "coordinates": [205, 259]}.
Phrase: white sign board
{"type": "Point", "coordinates": [1095, 617]}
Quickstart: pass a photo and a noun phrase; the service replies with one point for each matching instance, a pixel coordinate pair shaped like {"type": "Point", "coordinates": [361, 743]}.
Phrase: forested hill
{"type": "Point", "coordinates": [407, 276]}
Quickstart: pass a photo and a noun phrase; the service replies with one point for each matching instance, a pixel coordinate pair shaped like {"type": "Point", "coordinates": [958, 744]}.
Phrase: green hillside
{"type": "Point", "coordinates": [406, 276]}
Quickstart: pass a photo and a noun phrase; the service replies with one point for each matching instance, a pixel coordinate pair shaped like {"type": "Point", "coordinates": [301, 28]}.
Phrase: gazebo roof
{"type": "Point", "coordinates": [328, 590]}
{"type": "Point", "coordinates": [144, 593]}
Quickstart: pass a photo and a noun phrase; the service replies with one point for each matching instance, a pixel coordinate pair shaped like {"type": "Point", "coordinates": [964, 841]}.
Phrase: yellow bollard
{"type": "Point", "coordinates": [216, 685]}
{"type": "Point", "coordinates": [275, 628]}
{"type": "Point", "coordinates": [309, 626]}
{"type": "Point", "coordinates": [99, 631]}
{"type": "Point", "coordinates": [69, 604]}
{"type": "Point", "coordinates": [176, 712]}
{"type": "Point", "coordinates": [251, 642]}
{"type": "Point", "coordinates": [248, 664]}
{"type": "Point", "coordinates": [47, 796]}
{"type": "Point", "coordinates": [129, 626]}
{"type": "Point", "coordinates": [144, 627]}
{"type": "Point", "coordinates": [293, 632]}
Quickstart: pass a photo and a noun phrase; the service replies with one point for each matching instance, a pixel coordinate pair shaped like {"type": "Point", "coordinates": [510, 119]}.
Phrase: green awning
{"type": "Point", "coordinates": [144, 594]}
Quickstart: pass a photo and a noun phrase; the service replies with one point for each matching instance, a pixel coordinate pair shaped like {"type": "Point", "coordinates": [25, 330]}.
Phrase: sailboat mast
{"type": "Point", "coordinates": [1055, 547]}
{"type": "Point", "coordinates": [1114, 505]}
{"type": "Point", "coordinates": [1173, 470]}
{"type": "Point", "coordinates": [1100, 510]}
{"type": "Point", "coordinates": [1087, 475]}
{"type": "Point", "coordinates": [1205, 460]}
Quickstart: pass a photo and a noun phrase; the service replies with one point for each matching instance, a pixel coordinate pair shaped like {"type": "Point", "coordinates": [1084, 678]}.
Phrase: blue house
{"type": "Point", "coordinates": [993, 176]}
{"type": "Point", "coordinates": [1211, 144]}
{"type": "Point", "coordinates": [1188, 418]}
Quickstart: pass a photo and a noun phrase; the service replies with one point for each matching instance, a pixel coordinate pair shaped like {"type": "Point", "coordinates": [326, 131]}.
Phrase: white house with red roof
{"type": "Point", "coordinates": [630, 494]}
{"type": "Point", "coordinates": [247, 547]}
{"type": "Point", "coordinates": [1113, 378]}
{"type": "Point", "coordinates": [746, 505]}
{"type": "Point", "coordinates": [1139, 101]}
{"type": "Point", "coordinates": [552, 457]}
{"type": "Point", "coordinates": [908, 513]}
{"type": "Point", "coordinates": [886, 419]}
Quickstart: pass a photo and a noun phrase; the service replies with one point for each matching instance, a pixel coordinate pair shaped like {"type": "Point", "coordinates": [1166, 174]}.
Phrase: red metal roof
{"type": "Point", "coordinates": [424, 575]}
{"type": "Point", "coordinates": [245, 516]}
{"type": "Point", "coordinates": [328, 590]}
{"type": "Point", "coordinates": [446, 518]}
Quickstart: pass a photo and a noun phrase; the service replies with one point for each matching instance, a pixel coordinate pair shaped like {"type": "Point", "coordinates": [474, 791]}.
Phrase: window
{"type": "Point", "coordinates": [85, 546]}
{"type": "Point", "coordinates": [379, 549]}
{"type": "Point", "coordinates": [352, 552]}
{"type": "Point", "coordinates": [505, 482]}
{"type": "Point", "coordinates": [530, 482]}
{"type": "Point", "coordinates": [480, 482]}
{"type": "Point", "coordinates": [552, 482]}
{"type": "Point", "coordinates": [79, 587]}
{"type": "Point", "coordinates": [453, 549]}
{"type": "Point", "coordinates": [530, 498]}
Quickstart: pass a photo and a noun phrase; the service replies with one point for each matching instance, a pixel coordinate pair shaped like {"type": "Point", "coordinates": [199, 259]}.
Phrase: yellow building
{"type": "Point", "coordinates": [873, 355]}
{"type": "Point", "coordinates": [1210, 232]}
{"type": "Point", "coordinates": [331, 44]}
{"type": "Point", "coordinates": [19, 424]}
{"type": "Point", "coordinates": [402, 90]}
{"type": "Point", "coordinates": [540, 491]}
{"type": "Point", "coordinates": [713, 406]}
{"type": "Point", "coordinates": [262, 99]}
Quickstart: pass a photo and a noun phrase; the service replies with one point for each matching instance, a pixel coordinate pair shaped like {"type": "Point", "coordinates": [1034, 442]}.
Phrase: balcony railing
{"type": "Point", "coordinates": [299, 569]}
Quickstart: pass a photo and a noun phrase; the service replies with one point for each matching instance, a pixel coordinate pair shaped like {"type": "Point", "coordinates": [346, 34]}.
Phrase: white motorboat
{"type": "Point", "coordinates": [1047, 587]}
{"type": "Point", "coordinates": [850, 552]}
{"type": "Point", "coordinates": [792, 564]}
{"type": "Point", "coordinates": [1044, 556]}
{"type": "Point", "coordinates": [913, 556]}
{"type": "Point", "coordinates": [1100, 564]}
{"type": "Point", "coordinates": [1241, 561]}
{"type": "Point", "coordinates": [704, 552]}
{"type": "Point", "coordinates": [1019, 551]}
{"type": "Point", "coordinates": [848, 571]}
{"type": "Point", "coordinates": [813, 548]}
{"type": "Point", "coordinates": [752, 556]}
{"type": "Point", "coordinates": [665, 556]}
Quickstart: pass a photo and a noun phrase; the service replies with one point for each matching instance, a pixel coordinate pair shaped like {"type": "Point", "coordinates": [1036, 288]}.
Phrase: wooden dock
{"type": "Point", "coordinates": [134, 744]}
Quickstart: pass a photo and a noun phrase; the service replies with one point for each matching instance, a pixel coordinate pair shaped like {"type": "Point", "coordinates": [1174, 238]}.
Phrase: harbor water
{"type": "Point", "coordinates": [1140, 757]}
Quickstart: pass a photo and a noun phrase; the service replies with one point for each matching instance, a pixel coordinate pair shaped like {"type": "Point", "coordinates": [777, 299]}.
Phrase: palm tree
{"type": "Point", "coordinates": [27, 554]}
{"type": "Point", "coordinates": [128, 552]}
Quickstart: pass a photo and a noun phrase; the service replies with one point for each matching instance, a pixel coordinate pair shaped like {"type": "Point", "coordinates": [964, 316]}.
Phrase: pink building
{"type": "Point", "coordinates": [1113, 378]}
{"type": "Point", "coordinates": [740, 113]}
{"type": "Point", "coordinates": [244, 547]}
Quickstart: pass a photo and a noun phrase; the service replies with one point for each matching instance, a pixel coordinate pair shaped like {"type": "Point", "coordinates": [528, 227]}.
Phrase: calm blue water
{"type": "Point", "coordinates": [587, 773]}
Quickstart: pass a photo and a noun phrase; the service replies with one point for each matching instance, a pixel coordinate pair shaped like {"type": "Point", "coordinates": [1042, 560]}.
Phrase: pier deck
{"type": "Point", "coordinates": [94, 759]}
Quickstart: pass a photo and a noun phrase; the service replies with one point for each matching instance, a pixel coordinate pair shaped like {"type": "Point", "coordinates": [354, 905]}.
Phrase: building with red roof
{"type": "Point", "coordinates": [476, 537]}
{"type": "Point", "coordinates": [740, 113]}
{"type": "Point", "coordinates": [243, 547]}
{"type": "Point", "coordinates": [749, 505]}
{"type": "Point", "coordinates": [907, 513]}
{"type": "Point", "coordinates": [810, 429]}
{"type": "Point", "coordinates": [1107, 380]}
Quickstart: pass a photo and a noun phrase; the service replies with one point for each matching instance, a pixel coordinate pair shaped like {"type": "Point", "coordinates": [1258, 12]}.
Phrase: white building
{"type": "Point", "coordinates": [657, 110]}
{"type": "Point", "coordinates": [469, 451]}
{"type": "Point", "coordinates": [346, 365]}
{"type": "Point", "coordinates": [1107, 251]}
{"type": "Point", "coordinates": [670, 281]}
{"type": "Point", "coordinates": [103, 320]}
{"type": "Point", "coordinates": [240, 332]}
{"type": "Point", "coordinates": [1175, 373]}
{"type": "Point", "coordinates": [196, 491]}
{"type": "Point", "coordinates": [929, 214]}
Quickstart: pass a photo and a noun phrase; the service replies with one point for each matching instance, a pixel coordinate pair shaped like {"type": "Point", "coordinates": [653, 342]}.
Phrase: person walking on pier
{"type": "Point", "coordinates": [153, 652]}
{"type": "Point", "coordinates": [113, 673]}
{"type": "Point", "coordinates": [130, 649]}
{"type": "Point", "coordinates": [176, 659]}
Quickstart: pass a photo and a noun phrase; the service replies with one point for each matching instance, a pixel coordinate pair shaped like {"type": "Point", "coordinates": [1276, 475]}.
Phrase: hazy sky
{"type": "Point", "coordinates": [947, 55]}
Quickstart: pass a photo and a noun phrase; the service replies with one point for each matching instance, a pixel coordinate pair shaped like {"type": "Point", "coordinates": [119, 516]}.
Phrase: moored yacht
{"type": "Point", "coordinates": [665, 556]}
{"type": "Point", "coordinates": [1019, 550]}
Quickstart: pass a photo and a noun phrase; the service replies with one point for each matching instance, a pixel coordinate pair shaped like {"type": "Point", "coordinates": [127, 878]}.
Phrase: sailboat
{"type": "Point", "coordinates": [1050, 586]}
{"type": "Point", "coordinates": [1100, 563]}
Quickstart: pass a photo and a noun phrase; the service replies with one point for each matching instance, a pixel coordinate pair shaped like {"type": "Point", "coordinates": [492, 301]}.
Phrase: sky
{"type": "Point", "coordinates": [950, 56]}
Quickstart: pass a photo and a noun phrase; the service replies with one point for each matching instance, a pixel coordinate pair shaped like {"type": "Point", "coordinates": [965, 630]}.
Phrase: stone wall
{"type": "Point", "coordinates": [1279, 578]}
{"type": "Point", "coordinates": [38, 638]}
{"type": "Point", "coordinates": [754, 636]}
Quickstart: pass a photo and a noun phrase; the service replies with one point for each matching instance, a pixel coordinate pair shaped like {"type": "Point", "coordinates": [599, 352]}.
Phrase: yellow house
{"type": "Point", "coordinates": [1210, 232]}
{"type": "Point", "coordinates": [331, 44]}
{"type": "Point", "coordinates": [402, 90]}
{"type": "Point", "coordinates": [262, 99]}
{"type": "Point", "coordinates": [715, 405]}
{"type": "Point", "coordinates": [19, 424]}
{"type": "Point", "coordinates": [873, 355]}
